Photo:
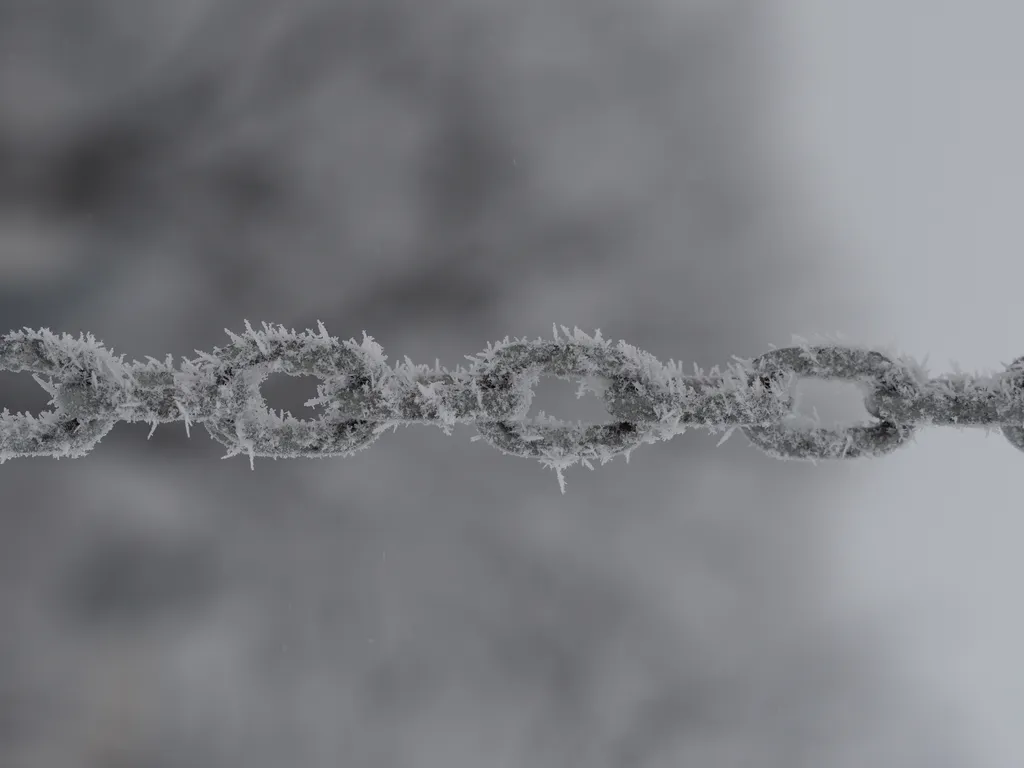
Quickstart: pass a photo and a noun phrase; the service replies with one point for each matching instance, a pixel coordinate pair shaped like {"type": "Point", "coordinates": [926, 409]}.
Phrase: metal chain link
{"type": "Point", "coordinates": [362, 397]}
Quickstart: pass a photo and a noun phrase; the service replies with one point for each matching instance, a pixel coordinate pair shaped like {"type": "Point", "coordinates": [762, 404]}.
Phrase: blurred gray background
{"type": "Point", "coordinates": [907, 116]}
{"type": "Point", "coordinates": [441, 178]}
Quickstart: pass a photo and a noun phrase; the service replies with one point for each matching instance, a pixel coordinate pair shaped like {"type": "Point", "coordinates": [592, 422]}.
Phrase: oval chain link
{"type": "Point", "coordinates": [507, 379]}
{"type": "Point", "coordinates": [88, 386]}
{"type": "Point", "coordinates": [241, 421]}
{"type": "Point", "coordinates": [867, 368]}
{"type": "Point", "coordinates": [1015, 434]}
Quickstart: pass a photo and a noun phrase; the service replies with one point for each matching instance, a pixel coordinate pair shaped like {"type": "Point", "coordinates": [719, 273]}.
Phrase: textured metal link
{"type": "Point", "coordinates": [85, 381]}
{"type": "Point", "coordinates": [362, 396]}
{"type": "Point", "coordinates": [863, 367]}
{"type": "Point", "coordinates": [239, 424]}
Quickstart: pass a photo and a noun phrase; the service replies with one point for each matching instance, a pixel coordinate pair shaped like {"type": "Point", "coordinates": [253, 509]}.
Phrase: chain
{"type": "Point", "coordinates": [362, 397]}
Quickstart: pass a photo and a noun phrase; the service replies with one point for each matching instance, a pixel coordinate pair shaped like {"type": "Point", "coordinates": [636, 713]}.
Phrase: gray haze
{"type": "Point", "coordinates": [441, 179]}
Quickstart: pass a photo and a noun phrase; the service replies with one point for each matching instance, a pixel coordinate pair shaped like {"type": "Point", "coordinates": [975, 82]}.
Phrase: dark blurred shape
{"type": "Point", "coordinates": [124, 582]}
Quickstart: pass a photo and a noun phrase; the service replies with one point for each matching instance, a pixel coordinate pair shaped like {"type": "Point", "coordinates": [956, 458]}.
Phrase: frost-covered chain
{"type": "Point", "coordinates": [362, 396]}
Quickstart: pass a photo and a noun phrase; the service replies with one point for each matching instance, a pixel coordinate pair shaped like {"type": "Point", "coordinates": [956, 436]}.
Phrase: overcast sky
{"type": "Point", "coordinates": [910, 120]}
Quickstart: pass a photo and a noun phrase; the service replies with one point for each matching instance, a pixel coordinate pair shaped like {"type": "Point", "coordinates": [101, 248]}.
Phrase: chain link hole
{"type": "Point", "coordinates": [19, 392]}
{"type": "Point", "coordinates": [290, 393]}
{"type": "Point", "coordinates": [557, 397]}
{"type": "Point", "coordinates": [838, 403]}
